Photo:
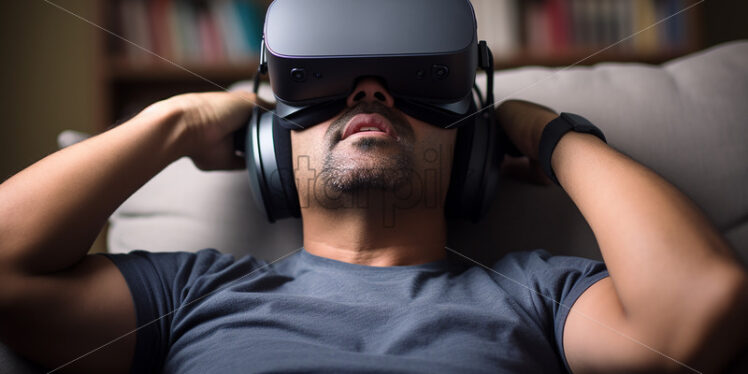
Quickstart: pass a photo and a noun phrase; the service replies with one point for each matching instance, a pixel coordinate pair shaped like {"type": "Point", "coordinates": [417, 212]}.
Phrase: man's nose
{"type": "Point", "coordinates": [370, 89]}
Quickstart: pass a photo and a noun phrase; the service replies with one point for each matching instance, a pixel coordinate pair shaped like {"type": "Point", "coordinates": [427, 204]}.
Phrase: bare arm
{"type": "Point", "coordinates": [674, 283]}
{"type": "Point", "coordinates": [56, 303]}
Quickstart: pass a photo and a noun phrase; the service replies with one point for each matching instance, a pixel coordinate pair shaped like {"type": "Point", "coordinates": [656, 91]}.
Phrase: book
{"type": "Point", "coordinates": [135, 31]}
{"type": "Point", "coordinates": [557, 13]}
{"type": "Point", "coordinates": [498, 25]}
{"type": "Point", "coordinates": [645, 16]}
{"type": "Point", "coordinates": [233, 40]}
{"type": "Point", "coordinates": [251, 26]}
{"type": "Point", "coordinates": [158, 11]}
{"type": "Point", "coordinates": [210, 39]}
{"type": "Point", "coordinates": [175, 36]}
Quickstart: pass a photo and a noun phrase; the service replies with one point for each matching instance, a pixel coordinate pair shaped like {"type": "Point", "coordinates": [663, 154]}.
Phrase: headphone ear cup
{"type": "Point", "coordinates": [269, 165]}
{"type": "Point", "coordinates": [455, 206]}
{"type": "Point", "coordinates": [285, 197]}
{"type": "Point", "coordinates": [475, 169]}
{"type": "Point", "coordinates": [491, 164]}
{"type": "Point", "coordinates": [254, 160]}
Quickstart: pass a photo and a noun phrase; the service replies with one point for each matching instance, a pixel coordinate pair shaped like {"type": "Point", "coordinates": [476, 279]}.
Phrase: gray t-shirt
{"type": "Point", "coordinates": [307, 313]}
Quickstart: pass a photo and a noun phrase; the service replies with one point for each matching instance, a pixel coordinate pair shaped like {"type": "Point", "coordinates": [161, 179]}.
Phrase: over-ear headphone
{"type": "Point", "coordinates": [478, 153]}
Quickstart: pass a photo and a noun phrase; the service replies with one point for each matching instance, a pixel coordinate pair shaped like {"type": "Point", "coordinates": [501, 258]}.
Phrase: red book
{"type": "Point", "coordinates": [210, 40]}
{"type": "Point", "coordinates": [160, 29]}
{"type": "Point", "coordinates": [560, 26]}
{"type": "Point", "coordinates": [537, 28]}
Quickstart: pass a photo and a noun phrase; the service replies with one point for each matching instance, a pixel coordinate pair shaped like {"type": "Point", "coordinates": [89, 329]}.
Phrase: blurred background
{"type": "Point", "coordinates": [64, 65]}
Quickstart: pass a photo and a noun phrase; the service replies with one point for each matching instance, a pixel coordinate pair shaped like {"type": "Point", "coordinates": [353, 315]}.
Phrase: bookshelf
{"type": "Point", "coordinates": [563, 32]}
{"type": "Point", "coordinates": [216, 41]}
{"type": "Point", "coordinates": [195, 45]}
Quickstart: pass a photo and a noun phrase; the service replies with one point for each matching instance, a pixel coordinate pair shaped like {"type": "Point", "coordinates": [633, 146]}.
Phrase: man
{"type": "Point", "coordinates": [361, 296]}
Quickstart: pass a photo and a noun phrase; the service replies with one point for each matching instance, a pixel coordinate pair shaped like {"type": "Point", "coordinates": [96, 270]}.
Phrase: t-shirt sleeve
{"type": "Point", "coordinates": [551, 285]}
{"type": "Point", "coordinates": [158, 284]}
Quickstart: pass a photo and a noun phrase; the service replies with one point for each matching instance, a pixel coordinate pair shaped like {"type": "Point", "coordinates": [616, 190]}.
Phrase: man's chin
{"type": "Point", "coordinates": [362, 178]}
{"type": "Point", "coordinates": [367, 162]}
{"type": "Point", "coordinates": [353, 169]}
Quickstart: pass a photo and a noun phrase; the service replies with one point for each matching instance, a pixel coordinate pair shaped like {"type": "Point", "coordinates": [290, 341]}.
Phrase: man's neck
{"type": "Point", "coordinates": [376, 237]}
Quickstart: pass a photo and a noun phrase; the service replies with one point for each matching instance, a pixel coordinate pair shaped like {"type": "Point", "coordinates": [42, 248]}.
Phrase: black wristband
{"type": "Point", "coordinates": [553, 132]}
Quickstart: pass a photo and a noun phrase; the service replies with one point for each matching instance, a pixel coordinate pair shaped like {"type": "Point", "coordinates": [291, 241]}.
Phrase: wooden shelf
{"type": "Point", "coordinates": [122, 70]}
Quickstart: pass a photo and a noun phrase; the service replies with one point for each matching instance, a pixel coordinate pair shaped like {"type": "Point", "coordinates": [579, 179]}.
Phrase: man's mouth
{"type": "Point", "coordinates": [368, 124]}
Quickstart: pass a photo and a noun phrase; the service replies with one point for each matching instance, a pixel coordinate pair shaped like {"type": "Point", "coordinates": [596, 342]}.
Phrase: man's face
{"type": "Point", "coordinates": [372, 146]}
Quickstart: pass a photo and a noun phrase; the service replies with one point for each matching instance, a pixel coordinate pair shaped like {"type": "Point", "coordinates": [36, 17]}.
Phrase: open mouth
{"type": "Point", "coordinates": [369, 124]}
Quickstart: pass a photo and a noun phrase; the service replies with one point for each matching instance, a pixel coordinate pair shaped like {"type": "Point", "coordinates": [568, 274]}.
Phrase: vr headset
{"type": "Point", "coordinates": [425, 51]}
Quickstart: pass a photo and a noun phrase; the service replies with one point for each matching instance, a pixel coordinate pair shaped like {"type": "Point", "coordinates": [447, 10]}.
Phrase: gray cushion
{"type": "Point", "coordinates": [684, 119]}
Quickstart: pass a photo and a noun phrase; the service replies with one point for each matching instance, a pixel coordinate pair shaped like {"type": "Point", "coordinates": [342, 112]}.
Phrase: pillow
{"type": "Point", "coordinates": [186, 209]}
{"type": "Point", "coordinates": [684, 119]}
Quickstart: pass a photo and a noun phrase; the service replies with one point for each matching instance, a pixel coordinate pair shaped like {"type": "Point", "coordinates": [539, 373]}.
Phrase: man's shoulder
{"type": "Point", "coordinates": [179, 259]}
{"type": "Point", "coordinates": [538, 270]}
{"type": "Point", "coordinates": [181, 269]}
{"type": "Point", "coordinates": [540, 259]}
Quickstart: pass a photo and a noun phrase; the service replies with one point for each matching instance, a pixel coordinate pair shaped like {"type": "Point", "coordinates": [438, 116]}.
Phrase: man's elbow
{"type": "Point", "coordinates": [716, 334]}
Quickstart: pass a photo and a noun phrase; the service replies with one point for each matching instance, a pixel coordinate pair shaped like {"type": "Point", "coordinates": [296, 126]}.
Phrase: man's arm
{"type": "Point", "coordinates": [675, 288]}
{"type": "Point", "coordinates": [56, 303]}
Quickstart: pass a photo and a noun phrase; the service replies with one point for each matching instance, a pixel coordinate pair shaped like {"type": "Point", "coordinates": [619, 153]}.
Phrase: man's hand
{"type": "Point", "coordinates": [523, 123]}
{"type": "Point", "coordinates": [209, 121]}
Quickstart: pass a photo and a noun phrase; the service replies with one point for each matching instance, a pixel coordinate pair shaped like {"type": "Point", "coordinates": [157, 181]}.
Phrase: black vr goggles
{"type": "Point", "coordinates": [425, 52]}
